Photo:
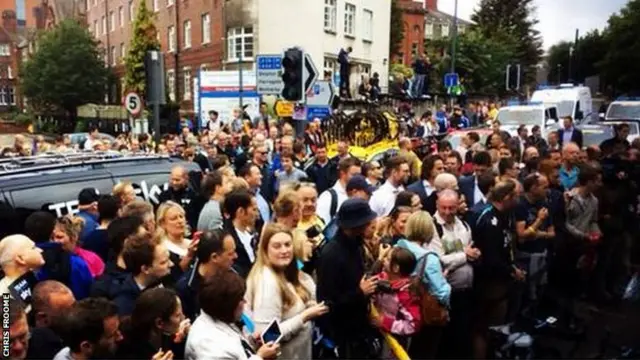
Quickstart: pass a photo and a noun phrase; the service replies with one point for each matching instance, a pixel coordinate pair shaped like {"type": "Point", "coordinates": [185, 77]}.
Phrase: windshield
{"type": "Point", "coordinates": [565, 108]}
{"type": "Point", "coordinates": [624, 111]}
{"type": "Point", "coordinates": [520, 116]}
{"type": "Point", "coordinates": [595, 136]}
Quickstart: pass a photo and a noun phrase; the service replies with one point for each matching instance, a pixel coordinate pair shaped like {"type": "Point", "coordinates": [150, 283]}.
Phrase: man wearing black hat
{"type": "Point", "coordinates": [88, 211]}
{"type": "Point", "coordinates": [358, 187]}
{"type": "Point", "coordinates": [343, 286]}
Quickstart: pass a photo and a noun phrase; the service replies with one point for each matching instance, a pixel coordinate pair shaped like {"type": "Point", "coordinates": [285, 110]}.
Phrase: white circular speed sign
{"type": "Point", "coordinates": [133, 103]}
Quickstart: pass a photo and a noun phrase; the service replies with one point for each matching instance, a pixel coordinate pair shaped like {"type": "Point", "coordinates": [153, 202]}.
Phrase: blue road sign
{"type": "Point", "coordinates": [269, 62]}
{"type": "Point", "coordinates": [320, 112]}
{"type": "Point", "coordinates": [450, 79]}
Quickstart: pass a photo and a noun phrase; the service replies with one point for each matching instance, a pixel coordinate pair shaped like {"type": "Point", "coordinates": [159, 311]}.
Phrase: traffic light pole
{"type": "Point", "coordinates": [454, 41]}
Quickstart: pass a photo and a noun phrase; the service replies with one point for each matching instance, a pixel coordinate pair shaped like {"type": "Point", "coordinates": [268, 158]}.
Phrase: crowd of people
{"type": "Point", "coordinates": [433, 251]}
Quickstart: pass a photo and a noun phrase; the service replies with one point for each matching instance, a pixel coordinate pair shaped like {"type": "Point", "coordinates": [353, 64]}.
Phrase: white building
{"type": "Point", "coordinates": [320, 27]}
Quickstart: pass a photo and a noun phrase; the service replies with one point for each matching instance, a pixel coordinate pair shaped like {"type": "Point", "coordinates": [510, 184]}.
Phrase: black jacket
{"type": "Point", "coordinates": [323, 176]}
{"type": "Point", "coordinates": [111, 279]}
{"type": "Point", "coordinates": [340, 269]}
{"type": "Point", "coordinates": [243, 264]}
{"type": "Point", "coordinates": [45, 343]}
{"type": "Point", "coordinates": [184, 198]}
{"type": "Point", "coordinates": [494, 234]}
{"type": "Point", "coordinates": [576, 137]}
{"type": "Point", "coordinates": [187, 289]}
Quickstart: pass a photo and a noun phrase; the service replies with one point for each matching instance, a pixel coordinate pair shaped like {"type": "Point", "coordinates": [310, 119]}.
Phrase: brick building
{"type": "Point", "coordinates": [190, 34]}
{"type": "Point", "coordinates": [423, 22]}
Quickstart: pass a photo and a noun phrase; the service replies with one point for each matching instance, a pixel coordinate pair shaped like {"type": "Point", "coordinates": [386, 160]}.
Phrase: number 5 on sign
{"type": "Point", "coordinates": [133, 104]}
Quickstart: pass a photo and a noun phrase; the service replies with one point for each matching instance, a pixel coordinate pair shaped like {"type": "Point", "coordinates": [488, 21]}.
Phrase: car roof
{"type": "Point", "coordinates": [465, 131]}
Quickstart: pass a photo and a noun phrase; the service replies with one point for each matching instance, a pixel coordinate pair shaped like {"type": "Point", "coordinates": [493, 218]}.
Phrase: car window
{"type": "Point", "coordinates": [60, 199]}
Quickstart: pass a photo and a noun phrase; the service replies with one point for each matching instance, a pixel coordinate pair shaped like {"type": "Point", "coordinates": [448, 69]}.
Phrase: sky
{"type": "Point", "coordinates": [559, 19]}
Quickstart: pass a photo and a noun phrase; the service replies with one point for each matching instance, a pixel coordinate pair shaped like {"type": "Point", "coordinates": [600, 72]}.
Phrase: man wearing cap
{"type": "Point", "coordinates": [342, 283]}
{"type": "Point", "coordinates": [88, 206]}
{"type": "Point", "coordinates": [359, 187]}
{"type": "Point", "coordinates": [384, 198]}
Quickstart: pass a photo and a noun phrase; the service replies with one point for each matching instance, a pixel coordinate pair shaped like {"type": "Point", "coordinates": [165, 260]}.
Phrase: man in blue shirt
{"type": "Point", "coordinates": [569, 169]}
{"type": "Point", "coordinates": [88, 211]}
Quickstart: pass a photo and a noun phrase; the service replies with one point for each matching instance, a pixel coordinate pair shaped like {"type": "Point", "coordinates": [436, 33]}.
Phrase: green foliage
{"type": "Point", "coordinates": [621, 62]}
{"type": "Point", "coordinates": [480, 61]}
{"type": "Point", "coordinates": [558, 62]}
{"type": "Point", "coordinates": [396, 34]}
{"type": "Point", "coordinates": [502, 21]}
{"type": "Point", "coordinates": [24, 119]}
{"type": "Point", "coordinates": [404, 70]}
{"type": "Point", "coordinates": [587, 54]}
{"type": "Point", "coordinates": [144, 39]}
{"type": "Point", "coordinates": [65, 72]}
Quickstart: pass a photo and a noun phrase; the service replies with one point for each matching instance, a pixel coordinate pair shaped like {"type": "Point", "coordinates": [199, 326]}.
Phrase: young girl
{"type": "Point", "coordinates": [399, 308]}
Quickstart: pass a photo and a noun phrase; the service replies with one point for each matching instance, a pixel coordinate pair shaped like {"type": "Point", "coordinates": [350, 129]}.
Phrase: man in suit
{"type": "Point", "coordinates": [241, 210]}
{"type": "Point", "coordinates": [486, 181]}
{"type": "Point", "coordinates": [569, 133]}
{"type": "Point", "coordinates": [432, 166]}
{"type": "Point", "coordinates": [469, 184]}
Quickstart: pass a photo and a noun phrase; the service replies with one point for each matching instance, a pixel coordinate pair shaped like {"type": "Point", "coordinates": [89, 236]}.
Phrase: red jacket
{"type": "Point", "coordinates": [400, 310]}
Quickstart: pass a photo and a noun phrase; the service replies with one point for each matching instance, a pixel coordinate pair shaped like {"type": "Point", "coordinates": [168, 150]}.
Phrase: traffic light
{"type": "Point", "coordinates": [292, 76]}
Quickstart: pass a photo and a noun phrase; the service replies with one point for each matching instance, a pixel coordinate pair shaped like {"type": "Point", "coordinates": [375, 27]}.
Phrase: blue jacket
{"type": "Point", "coordinates": [467, 186]}
{"type": "Point", "coordinates": [90, 224]}
{"type": "Point", "coordinates": [433, 277]}
{"type": "Point", "coordinates": [69, 269]}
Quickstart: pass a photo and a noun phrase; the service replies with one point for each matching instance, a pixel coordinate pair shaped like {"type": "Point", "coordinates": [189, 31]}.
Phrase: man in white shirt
{"type": "Point", "coordinates": [330, 200]}
{"type": "Point", "coordinates": [452, 242]}
{"type": "Point", "coordinates": [383, 199]}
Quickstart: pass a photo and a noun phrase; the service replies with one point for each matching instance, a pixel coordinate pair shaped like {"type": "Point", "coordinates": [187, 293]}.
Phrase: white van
{"type": "Point", "coordinates": [574, 101]}
{"type": "Point", "coordinates": [512, 116]}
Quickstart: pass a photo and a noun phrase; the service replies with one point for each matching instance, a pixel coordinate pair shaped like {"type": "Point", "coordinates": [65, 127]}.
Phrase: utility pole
{"type": "Point", "coordinates": [176, 54]}
{"type": "Point", "coordinates": [454, 39]}
{"type": "Point", "coordinates": [108, 49]}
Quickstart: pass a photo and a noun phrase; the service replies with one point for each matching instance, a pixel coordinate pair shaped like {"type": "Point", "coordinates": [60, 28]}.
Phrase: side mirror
{"type": "Point", "coordinates": [601, 116]}
{"type": "Point", "coordinates": [550, 122]}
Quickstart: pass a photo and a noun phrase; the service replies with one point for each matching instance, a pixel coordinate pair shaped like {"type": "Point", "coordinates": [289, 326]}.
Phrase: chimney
{"type": "Point", "coordinates": [431, 5]}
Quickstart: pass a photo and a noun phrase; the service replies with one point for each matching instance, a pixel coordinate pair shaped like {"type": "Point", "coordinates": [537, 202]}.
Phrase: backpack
{"type": "Point", "coordinates": [432, 312]}
{"type": "Point", "coordinates": [440, 229]}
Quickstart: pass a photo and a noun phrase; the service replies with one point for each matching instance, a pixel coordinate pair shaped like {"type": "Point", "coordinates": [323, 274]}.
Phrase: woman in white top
{"type": "Point", "coordinates": [276, 289]}
{"type": "Point", "coordinates": [172, 225]}
{"type": "Point", "coordinates": [214, 334]}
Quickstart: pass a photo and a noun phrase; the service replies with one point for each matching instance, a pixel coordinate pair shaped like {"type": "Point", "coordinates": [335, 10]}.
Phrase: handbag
{"type": "Point", "coordinates": [433, 313]}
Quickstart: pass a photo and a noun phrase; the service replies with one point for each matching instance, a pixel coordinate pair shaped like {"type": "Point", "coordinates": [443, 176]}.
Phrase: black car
{"type": "Point", "coordinates": [33, 184]}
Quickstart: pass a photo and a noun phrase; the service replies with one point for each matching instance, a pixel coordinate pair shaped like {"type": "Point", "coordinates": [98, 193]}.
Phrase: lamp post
{"type": "Point", "coordinates": [454, 38]}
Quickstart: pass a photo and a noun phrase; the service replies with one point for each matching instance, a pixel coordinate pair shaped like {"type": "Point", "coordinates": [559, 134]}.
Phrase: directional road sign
{"type": "Point", "coordinates": [319, 112]}
{"type": "Point", "coordinates": [269, 74]}
{"type": "Point", "coordinates": [133, 104]}
{"type": "Point", "coordinates": [321, 93]}
{"type": "Point", "coordinates": [310, 73]}
{"type": "Point", "coordinates": [284, 108]}
{"type": "Point", "coordinates": [451, 79]}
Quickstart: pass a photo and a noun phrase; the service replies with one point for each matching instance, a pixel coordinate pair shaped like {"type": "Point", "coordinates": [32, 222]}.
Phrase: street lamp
{"type": "Point", "coordinates": [569, 77]}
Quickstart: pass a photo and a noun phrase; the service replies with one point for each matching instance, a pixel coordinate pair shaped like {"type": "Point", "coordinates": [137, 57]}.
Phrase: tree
{"type": "Point", "coordinates": [621, 62]}
{"type": "Point", "coordinates": [144, 39]}
{"type": "Point", "coordinates": [480, 61]}
{"type": "Point", "coordinates": [502, 20]}
{"type": "Point", "coordinates": [396, 32]}
{"type": "Point", "coordinates": [65, 72]}
{"type": "Point", "coordinates": [585, 57]}
{"type": "Point", "coordinates": [558, 62]}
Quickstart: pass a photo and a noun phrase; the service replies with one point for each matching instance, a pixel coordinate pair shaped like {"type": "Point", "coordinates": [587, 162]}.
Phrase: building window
{"type": "Point", "coordinates": [400, 58]}
{"type": "Point", "coordinates": [104, 24]}
{"type": "Point", "coordinates": [3, 96]}
{"type": "Point", "coordinates": [349, 19]}
{"type": "Point", "coordinates": [330, 12]}
{"type": "Point", "coordinates": [206, 28]}
{"type": "Point", "coordinates": [171, 38]}
{"type": "Point", "coordinates": [240, 43]}
{"type": "Point", "coordinates": [444, 30]}
{"type": "Point", "coordinates": [5, 50]}
{"type": "Point", "coordinates": [131, 10]}
{"type": "Point", "coordinates": [12, 96]}
{"type": "Point", "coordinates": [123, 51]}
{"type": "Point", "coordinates": [367, 25]}
{"type": "Point", "coordinates": [156, 5]}
{"type": "Point", "coordinates": [186, 33]}
{"type": "Point", "coordinates": [112, 21]}
{"type": "Point", "coordinates": [187, 83]}
{"type": "Point", "coordinates": [170, 2]}
{"type": "Point", "coordinates": [428, 31]}
{"type": "Point", "coordinates": [121, 16]}
{"type": "Point", "coordinates": [366, 69]}
{"type": "Point", "coordinates": [461, 29]}
{"type": "Point", "coordinates": [414, 49]}
{"type": "Point", "coordinates": [9, 72]}
{"type": "Point", "coordinates": [171, 84]}
{"type": "Point", "coordinates": [329, 68]}
{"type": "Point", "coordinates": [96, 30]}
{"type": "Point", "coordinates": [113, 56]}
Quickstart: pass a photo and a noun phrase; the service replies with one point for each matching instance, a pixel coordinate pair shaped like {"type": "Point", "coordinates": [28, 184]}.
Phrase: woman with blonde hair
{"type": "Point", "coordinates": [391, 228]}
{"type": "Point", "coordinates": [276, 289]}
{"type": "Point", "coordinates": [419, 232]}
{"type": "Point", "coordinates": [172, 226]}
{"type": "Point", "coordinates": [125, 192]}
{"type": "Point", "coordinates": [287, 209]}
{"type": "Point", "coordinates": [67, 232]}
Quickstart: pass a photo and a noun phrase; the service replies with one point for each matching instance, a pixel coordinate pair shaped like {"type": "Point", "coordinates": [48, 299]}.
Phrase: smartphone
{"type": "Point", "coordinates": [272, 333]}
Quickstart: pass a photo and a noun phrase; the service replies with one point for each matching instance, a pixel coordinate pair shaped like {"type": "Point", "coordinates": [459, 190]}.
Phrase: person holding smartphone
{"type": "Point", "coordinates": [277, 289]}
